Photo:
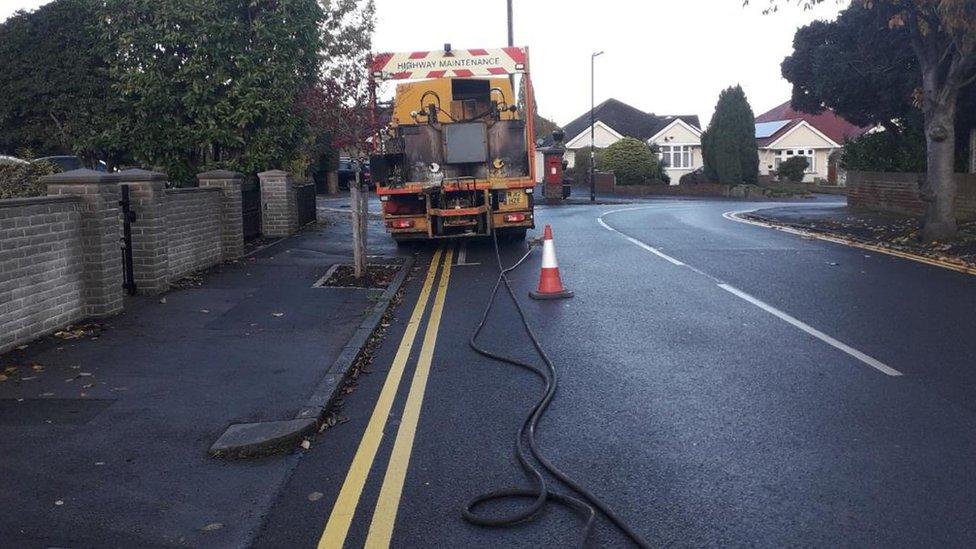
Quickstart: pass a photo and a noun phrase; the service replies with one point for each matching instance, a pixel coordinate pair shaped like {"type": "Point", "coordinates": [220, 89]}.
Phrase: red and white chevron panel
{"type": "Point", "coordinates": [453, 64]}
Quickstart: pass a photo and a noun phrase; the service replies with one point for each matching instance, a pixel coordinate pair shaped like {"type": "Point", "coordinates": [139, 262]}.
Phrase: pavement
{"type": "Point", "coordinates": [105, 441]}
{"type": "Point", "coordinates": [721, 384]}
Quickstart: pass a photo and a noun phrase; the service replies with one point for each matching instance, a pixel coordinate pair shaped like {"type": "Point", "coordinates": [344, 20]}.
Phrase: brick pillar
{"type": "Point", "coordinates": [150, 240]}
{"type": "Point", "coordinates": [231, 210]}
{"type": "Point", "coordinates": [279, 204]}
{"type": "Point", "coordinates": [102, 254]}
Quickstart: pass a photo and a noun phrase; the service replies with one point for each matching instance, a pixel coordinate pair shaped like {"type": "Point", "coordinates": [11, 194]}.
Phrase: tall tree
{"type": "Point", "coordinates": [857, 67]}
{"type": "Point", "coordinates": [942, 34]}
{"type": "Point", "coordinates": [55, 94]}
{"type": "Point", "coordinates": [729, 144]}
{"type": "Point", "coordinates": [209, 83]}
{"type": "Point", "coordinates": [337, 105]}
{"type": "Point", "coordinates": [543, 126]}
{"type": "Point", "coordinates": [867, 73]}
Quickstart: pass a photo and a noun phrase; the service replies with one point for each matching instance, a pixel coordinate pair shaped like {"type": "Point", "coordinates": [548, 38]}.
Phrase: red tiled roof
{"type": "Point", "coordinates": [829, 123]}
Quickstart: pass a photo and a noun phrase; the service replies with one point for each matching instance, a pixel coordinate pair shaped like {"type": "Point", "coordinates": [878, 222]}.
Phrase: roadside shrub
{"type": "Point", "coordinates": [886, 152]}
{"type": "Point", "coordinates": [632, 162]}
{"type": "Point", "coordinates": [23, 180]}
{"type": "Point", "coordinates": [581, 165]}
{"type": "Point", "coordinates": [696, 177]}
{"type": "Point", "coordinates": [793, 169]}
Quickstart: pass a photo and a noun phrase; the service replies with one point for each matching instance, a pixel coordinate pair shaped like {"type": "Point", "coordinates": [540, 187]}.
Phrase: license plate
{"type": "Point", "coordinates": [514, 198]}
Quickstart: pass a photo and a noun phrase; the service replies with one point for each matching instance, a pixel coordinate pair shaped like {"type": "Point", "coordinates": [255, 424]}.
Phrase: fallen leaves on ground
{"type": "Point", "coordinates": [189, 281]}
{"type": "Point", "coordinates": [79, 331]}
{"type": "Point", "coordinates": [376, 276]}
{"type": "Point", "coordinates": [899, 233]}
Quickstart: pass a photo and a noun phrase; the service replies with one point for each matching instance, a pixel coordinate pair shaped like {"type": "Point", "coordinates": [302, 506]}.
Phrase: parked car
{"type": "Point", "coordinates": [12, 160]}
{"type": "Point", "coordinates": [694, 178]}
{"type": "Point", "coordinates": [347, 172]}
{"type": "Point", "coordinates": [65, 162]}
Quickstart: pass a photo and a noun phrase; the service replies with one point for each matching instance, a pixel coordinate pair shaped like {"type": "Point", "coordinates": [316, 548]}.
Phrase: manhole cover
{"type": "Point", "coordinates": [51, 411]}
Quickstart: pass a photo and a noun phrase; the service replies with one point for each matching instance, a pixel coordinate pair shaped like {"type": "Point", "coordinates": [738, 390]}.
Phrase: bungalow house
{"type": "Point", "coordinates": [783, 133]}
{"type": "Point", "coordinates": [678, 138]}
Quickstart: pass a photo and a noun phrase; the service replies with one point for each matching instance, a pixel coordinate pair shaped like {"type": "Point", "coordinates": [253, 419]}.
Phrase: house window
{"type": "Point", "coordinates": [809, 154]}
{"type": "Point", "coordinates": [676, 156]}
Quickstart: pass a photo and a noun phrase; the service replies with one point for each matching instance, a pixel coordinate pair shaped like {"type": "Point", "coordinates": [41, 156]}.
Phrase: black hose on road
{"type": "Point", "coordinates": [587, 504]}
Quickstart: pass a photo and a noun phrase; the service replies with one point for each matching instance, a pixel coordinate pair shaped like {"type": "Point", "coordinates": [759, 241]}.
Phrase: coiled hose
{"type": "Point", "coordinates": [587, 503]}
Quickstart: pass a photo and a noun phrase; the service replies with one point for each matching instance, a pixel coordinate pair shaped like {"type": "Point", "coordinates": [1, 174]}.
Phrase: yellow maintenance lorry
{"type": "Point", "coordinates": [457, 158]}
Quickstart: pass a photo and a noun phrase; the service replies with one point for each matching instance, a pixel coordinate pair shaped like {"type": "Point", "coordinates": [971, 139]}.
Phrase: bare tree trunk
{"type": "Point", "coordinates": [357, 201]}
{"type": "Point", "coordinates": [939, 191]}
{"type": "Point", "coordinates": [364, 220]}
{"type": "Point", "coordinates": [332, 182]}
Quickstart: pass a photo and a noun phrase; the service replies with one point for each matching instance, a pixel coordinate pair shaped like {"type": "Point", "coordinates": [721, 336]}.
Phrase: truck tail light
{"type": "Point", "coordinates": [401, 223]}
{"type": "Point", "coordinates": [514, 218]}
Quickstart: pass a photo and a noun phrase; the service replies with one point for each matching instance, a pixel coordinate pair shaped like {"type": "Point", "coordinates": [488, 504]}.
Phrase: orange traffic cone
{"type": "Point", "coordinates": [550, 285]}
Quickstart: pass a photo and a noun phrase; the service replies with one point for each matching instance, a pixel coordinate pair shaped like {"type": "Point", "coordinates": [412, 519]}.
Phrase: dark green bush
{"type": "Point", "coordinates": [793, 169]}
{"type": "Point", "coordinates": [886, 152]}
{"type": "Point", "coordinates": [632, 162]}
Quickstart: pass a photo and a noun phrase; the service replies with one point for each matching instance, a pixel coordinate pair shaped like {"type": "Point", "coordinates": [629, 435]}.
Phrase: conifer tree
{"type": "Point", "coordinates": [729, 145]}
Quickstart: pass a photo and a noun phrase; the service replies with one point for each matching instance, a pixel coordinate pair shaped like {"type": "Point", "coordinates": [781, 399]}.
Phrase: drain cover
{"type": "Point", "coordinates": [51, 411]}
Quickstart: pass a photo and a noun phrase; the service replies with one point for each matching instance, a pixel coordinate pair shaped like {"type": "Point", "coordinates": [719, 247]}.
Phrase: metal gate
{"type": "Point", "coordinates": [251, 209]}
{"type": "Point", "coordinates": [306, 204]}
{"type": "Point", "coordinates": [128, 218]}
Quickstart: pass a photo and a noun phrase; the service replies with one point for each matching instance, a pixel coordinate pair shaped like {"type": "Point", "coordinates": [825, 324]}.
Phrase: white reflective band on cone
{"type": "Point", "coordinates": [549, 255]}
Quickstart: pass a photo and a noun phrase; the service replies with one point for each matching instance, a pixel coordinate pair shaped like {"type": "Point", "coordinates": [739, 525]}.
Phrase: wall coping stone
{"type": "Point", "coordinates": [135, 175]}
{"type": "Point", "coordinates": [219, 174]}
{"type": "Point", "coordinates": [39, 200]}
{"type": "Point", "coordinates": [80, 177]}
{"type": "Point", "coordinates": [273, 173]}
{"type": "Point", "coordinates": [190, 190]}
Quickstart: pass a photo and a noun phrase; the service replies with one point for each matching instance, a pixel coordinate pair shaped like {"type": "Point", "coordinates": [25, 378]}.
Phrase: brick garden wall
{"type": "Point", "coordinates": [41, 266]}
{"type": "Point", "coordinates": [700, 189]}
{"type": "Point", "coordinates": [899, 193]}
{"type": "Point", "coordinates": [60, 259]}
{"type": "Point", "coordinates": [193, 230]}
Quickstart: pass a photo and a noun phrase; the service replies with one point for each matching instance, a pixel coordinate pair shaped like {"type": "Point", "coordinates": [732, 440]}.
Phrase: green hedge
{"type": "Point", "coordinates": [793, 169]}
{"type": "Point", "coordinates": [632, 162]}
{"type": "Point", "coordinates": [24, 180]}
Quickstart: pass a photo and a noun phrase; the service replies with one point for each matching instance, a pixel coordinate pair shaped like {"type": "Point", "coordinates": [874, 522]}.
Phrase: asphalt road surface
{"type": "Point", "coordinates": [721, 384]}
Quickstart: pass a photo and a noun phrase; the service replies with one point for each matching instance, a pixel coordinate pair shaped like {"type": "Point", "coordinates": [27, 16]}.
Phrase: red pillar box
{"type": "Point", "coordinates": [552, 162]}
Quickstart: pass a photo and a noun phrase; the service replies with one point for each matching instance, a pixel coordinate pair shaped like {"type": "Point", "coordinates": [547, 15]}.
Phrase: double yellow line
{"type": "Point", "coordinates": [384, 517]}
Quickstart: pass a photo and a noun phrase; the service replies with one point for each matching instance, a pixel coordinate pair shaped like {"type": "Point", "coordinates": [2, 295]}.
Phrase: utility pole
{"type": "Point", "coordinates": [511, 26]}
{"type": "Point", "coordinates": [593, 124]}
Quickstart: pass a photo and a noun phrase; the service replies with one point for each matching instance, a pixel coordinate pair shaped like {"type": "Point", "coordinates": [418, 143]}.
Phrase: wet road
{"type": "Point", "coordinates": [721, 384]}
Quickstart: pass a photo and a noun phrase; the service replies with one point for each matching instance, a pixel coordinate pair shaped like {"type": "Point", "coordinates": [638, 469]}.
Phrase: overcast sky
{"type": "Point", "coordinates": [662, 56]}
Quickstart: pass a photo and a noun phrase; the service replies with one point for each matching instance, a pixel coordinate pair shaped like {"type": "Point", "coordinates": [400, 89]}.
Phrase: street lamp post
{"type": "Point", "coordinates": [593, 123]}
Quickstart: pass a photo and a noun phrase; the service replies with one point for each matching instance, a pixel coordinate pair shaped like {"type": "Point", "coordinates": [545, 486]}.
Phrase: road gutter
{"type": "Point", "coordinates": [739, 217]}
{"type": "Point", "coordinates": [245, 440]}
